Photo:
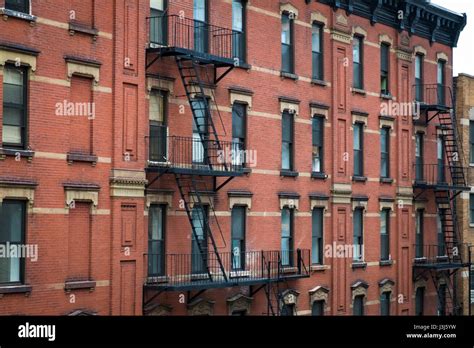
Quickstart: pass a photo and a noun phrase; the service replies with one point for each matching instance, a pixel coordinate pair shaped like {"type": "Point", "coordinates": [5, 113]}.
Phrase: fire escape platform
{"type": "Point", "coordinates": [440, 266]}
{"type": "Point", "coordinates": [185, 53]}
{"type": "Point", "coordinates": [424, 185]}
{"type": "Point", "coordinates": [198, 170]}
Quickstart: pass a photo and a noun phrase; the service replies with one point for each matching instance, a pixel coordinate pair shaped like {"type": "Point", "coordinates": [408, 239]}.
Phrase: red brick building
{"type": "Point", "coordinates": [225, 157]}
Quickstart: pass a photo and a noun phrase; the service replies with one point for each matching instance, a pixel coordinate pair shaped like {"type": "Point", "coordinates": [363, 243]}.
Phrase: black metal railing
{"type": "Point", "coordinates": [437, 174]}
{"type": "Point", "coordinates": [445, 253]}
{"type": "Point", "coordinates": [205, 269]}
{"type": "Point", "coordinates": [194, 153]}
{"type": "Point", "coordinates": [433, 95]}
{"type": "Point", "coordinates": [190, 34]}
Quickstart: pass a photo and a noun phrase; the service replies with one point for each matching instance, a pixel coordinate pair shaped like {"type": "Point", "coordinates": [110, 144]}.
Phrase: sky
{"type": "Point", "coordinates": [464, 53]}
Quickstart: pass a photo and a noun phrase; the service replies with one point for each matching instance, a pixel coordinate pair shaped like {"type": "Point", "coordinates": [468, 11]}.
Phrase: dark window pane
{"type": "Point", "coordinates": [18, 5]}
{"type": "Point", "coordinates": [358, 306]}
{"type": "Point", "coordinates": [317, 236]}
{"type": "Point", "coordinates": [385, 303]}
{"type": "Point", "coordinates": [419, 301]}
{"type": "Point", "coordinates": [317, 309]}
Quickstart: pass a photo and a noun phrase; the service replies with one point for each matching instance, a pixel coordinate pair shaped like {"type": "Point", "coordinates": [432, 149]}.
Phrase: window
{"type": "Point", "coordinates": [317, 309]}
{"type": "Point", "coordinates": [287, 141]}
{"type": "Point", "coordinates": [419, 234]}
{"type": "Point", "coordinates": [419, 301]}
{"type": "Point", "coordinates": [199, 241]}
{"type": "Point", "coordinates": [440, 217]}
{"type": "Point", "coordinates": [357, 52]}
{"type": "Point", "coordinates": [201, 29]}
{"type": "Point", "coordinates": [385, 235]}
{"type": "Point", "coordinates": [358, 234]}
{"type": "Point", "coordinates": [471, 208]}
{"type": "Point", "coordinates": [238, 237]}
{"type": "Point", "coordinates": [18, 5]}
{"type": "Point", "coordinates": [384, 69]}
{"type": "Point", "coordinates": [317, 237]}
{"type": "Point", "coordinates": [441, 82]}
{"type": "Point", "coordinates": [287, 236]}
{"type": "Point", "coordinates": [156, 240]}
{"type": "Point", "coordinates": [288, 310]}
{"type": "Point", "coordinates": [419, 160]}
{"type": "Point", "coordinates": [385, 303]}
{"type": "Point", "coordinates": [385, 152]}
{"type": "Point", "coordinates": [441, 164]}
{"type": "Point", "coordinates": [317, 51]}
{"type": "Point", "coordinates": [14, 107]}
{"type": "Point", "coordinates": [358, 149]}
{"type": "Point", "coordinates": [200, 131]}
{"type": "Point", "coordinates": [471, 142]}
{"type": "Point", "coordinates": [238, 27]}
{"type": "Point", "coordinates": [472, 284]}
{"type": "Point", "coordinates": [287, 54]}
{"type": "Point", "coordinates": [13, 221]}
{"type": "Point", "coordinates": [158, 127]}
{"type": "Point", "coordinates": [239, 130]}
{"type": "Point", "coordinates": [158, 22]}
{"type": "Point", "coordinates": [318, 144]}
{"type": "Point", "coordinates": [419, 77]}
{"type": "Point", "coordinates": [442, 300]}
{"type": "Point", "coordinates": [358, 306]}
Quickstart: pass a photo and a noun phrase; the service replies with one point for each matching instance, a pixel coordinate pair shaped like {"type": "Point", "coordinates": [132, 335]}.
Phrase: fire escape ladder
{"type": "Point", "coordinates": [190, 192]}
{"type": "Point", "coordinates": [449, 226]}
{"type": "Point", "coordinates": [201, 110]}
{"type": "Point", "coordinates": [447, 295]}
{"type": "Point", "coordinates": [272, 290]}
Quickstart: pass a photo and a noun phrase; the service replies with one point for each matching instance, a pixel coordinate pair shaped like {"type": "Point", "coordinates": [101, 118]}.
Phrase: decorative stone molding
{"type": "Point", "coordinates": [358, 30]}
{"type": "Point", "coordinates": [341, 36]}
{"type": "Point", "coordinates": [207, 198]}
{"type": "Point", "coordinates": [159, 197]}
{"type": "Point", "coordinates": [290, 105]}
{"type": "Point", "coordinates": [318, 109]}
{"type": "Point", "coordinates": [360, 202]}
{"type": "Point", "coordinates": [160, 310]}
{"type": "Point", "coordinates": [201, 307]}
{"type": "Point", "coordinates": [341, 19]}
{"type": "Point", "coordinates": [319, 18]}
{"type": "Point", "coordinates": [405, 55]}
{"type": "Point", "coordinates": [386, 285]}
{"type": "Point", "coordinates": [289, 200]}
{"type": "Point", "coordinates": [359, 116]}
{"type": "Point", "coordinates": [442, 56]}
{"type": "Point", "coordinates": [384, 38]}
{"type": "Point", "coordinates": [420, 283]}
{"type": "Point", "coordinates": [241, 96]}
{"type": "Point", "coordinates": [404, 195]}
{"type": "Point", "coordinates": [387, 121]}
{"type": "Point", "coordinates": [288, 8]}
{"type": "Point", "coordinates": [83, 67]}
{"type": "Point", "coordinates": [419, 50]}
{"type": "Point", "coordinates": [81, 192]}
{"type": "Point", "coordinates": [341, 193]}
{"type": "Point", "coordinates": [290, 297]}
{"type": "Point", "coordinates": [243, 198]}
{"type": "Point", "coordinates": [127, 183]}
{"type": "Point", "coordinates": [359, 288]}
{"type": "Point", "coordinates": [239, 303]}
{"type": "Point", "coordinates": [319, 201]}
{"type": "Point", "coordinates": [319, 293]}
{"type": "Point", "coordinates": [420, 205]}
{"type": "Point", "coordinates": [18, 189]}
{"type": "Point", "coordinates": [386, 203]}
{"type": "Point", "coordinates": [160, 82]}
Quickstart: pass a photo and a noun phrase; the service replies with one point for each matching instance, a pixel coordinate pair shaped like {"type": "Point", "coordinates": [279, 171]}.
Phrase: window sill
{"type": "Point", "coordinates": [319, 82]}
{"type": "Point", "coordinates": [359, 178]}
{"type": "Point", "coordinates": [83, 29]}
{"type": "Point", "coordinates": [319, 175]}
{"type": "Point", "coordinates": [359, 91]}
{"type": "Point", "coordinates": [28, 154]}
{"type": "Point", "coordinates": [319, 268]}
{"type": "Point", "coordinates": [80, 157]}
{"type": "Point", "coordinates": [359, 264]}
{"type": "Point", "coordinates": [386, 96]}
{"type": "Point", "coordinates": [79, 285]}
{"type": "Point", "coordinates": [15, 289]}
{"type": "Point", "coordinates": [289, 173]}
{"type": "Point", "coordinates": [386, 180]}
{"type": "Point", "coordinates": [385, 263]}
{"type": "Point", "coordinates": [288, 75]}
{"type": "Point", "coordinates": [20, 15]}
{"type": "Point", "coordinates": [247, 171]}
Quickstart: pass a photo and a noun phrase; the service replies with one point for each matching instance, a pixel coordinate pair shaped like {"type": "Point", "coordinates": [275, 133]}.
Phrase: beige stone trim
{"type": "Point", "coordinates": [419, 129]}
{"type": "Point", "coordinates": [240, 97]}
{"type": "Point", "coordinates": [18, 192]}
{"type": "Point", "coordinates": [246, 201]}
{"type": "Point", "coordinates": [63, 25]}
{"type": "Point", "coordinates": [356, 118]}
{"type": "Point", "coordinates": [341, 19]}
{"type": "Point", "coordinates": [289, 8]}
{"type": "Point", "coordinates": [319, 111]}
{"type": "Point", "coordinates": [404, 55]}
{"type": "Point", "coordinates": [206, 199]}
{"type": "Point", "coordinates": [319, 203]}
{"type": "Point", "coordinates": [239, 302]}
{"type": "Point", "coordinates": [420, 283]}
{"type": "Point", "coordinates": [101, 212]}
{"type": "Point", "coordinates": [318, 17]}
{"type": "Point", "coordinates": [387, 123]}
{"type": "Point", "coordinates": [385, 38]}
{"type": "Point", "coordinates": [340, 36]}
{"type": "Point", "coordinates": [17, 57]}
{"type": "Point", "coordinates": [420, 205]}
{"type": "Point", "coordinates": [442, 56]}
{"type": "Point", "coordinates": [75, 195]}
{"type": "Point", "coordinates": [50, 81]}
{"type": "Point", "coordinates": [341, 193]}
{"type": "Point", "coordinates": [360, 204]}
{"type": "Point", "coordinates": [160, 198]}
{"type": "Point", "coordinates": [102, 89]}
{"type": "Point", "coordinates": [127, 183]}
{"type": "Point", "coordinates": [359, 291]}
{"type": "Point", "coordinates": [290, 203]}
{"type": "Point", "coordinates": [75, 68]}
{"type": "Point", "coordinates": [404, 196]}
{"type": "Point", "coordinates": [157, 83]}
{"type": "Point", "coordinates": [387, 287]}
{"type": "Point", "coordinates": [419, 50]}
{"type": "Point", "coordinates": [51, 211]}
{"type": "Point", "coordinates": [292, 108]}
{"type": "Point", "coordinates": [358, 30]}
{"type": "Point", "coordinates": [319, 294]}
{"type": "Point", "coordinates": [386, 205]}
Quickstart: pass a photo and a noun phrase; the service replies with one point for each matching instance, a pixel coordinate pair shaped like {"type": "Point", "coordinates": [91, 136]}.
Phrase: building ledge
{"type": "Point", "coordinates": [317, 82]}
{"type": "Point", "coordinates": [80, 157]}
{"type": "Point", "coordinates": [359, 91]}
{"type": "Point", "coordinates": [318, 175]}
{"type": "Point", "coordinates": [386, 180]}
{"type": "Point", "coordinates": [83, 29]}
{"type": "Point", "coordinates": [79, 285]}
{"type": "Point", "coordinates": [15, 289]}
{"type": "Point", "coordinates": [385, 262]}
{"type": "Point", "coordinates": [289, 173]}
{"type": "Point", "coordinates": [290, 76]}
{"type": "Point", "coordinates": [358, 178]}
{"type": "Point", "coordinates": [319, 268]}
{"type": "Point", "coordinates": [20, 15]}
{"type": "Point", "coordinates": [386, 96]}
{"type": "Point", "coordinates": [28, 154]}
{"type": "Point", "coordinates": [359, 264]}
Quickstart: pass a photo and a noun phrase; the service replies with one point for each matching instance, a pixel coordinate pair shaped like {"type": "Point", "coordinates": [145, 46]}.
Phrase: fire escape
{"type": "Point", "coordinates": [203, 54]}
{"type": "Point", "coordinates": [445, 180]}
